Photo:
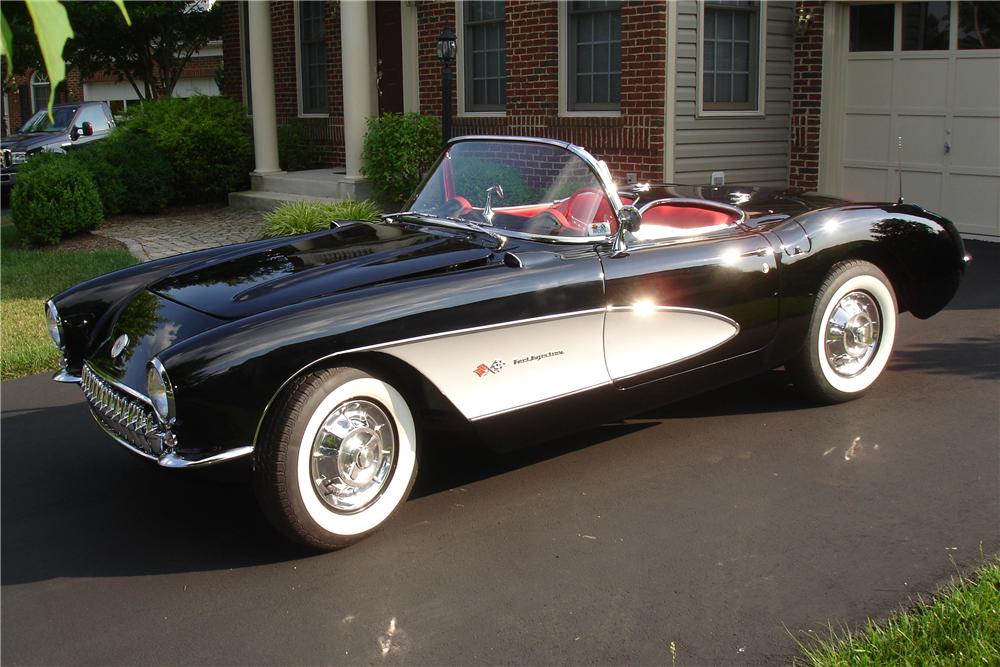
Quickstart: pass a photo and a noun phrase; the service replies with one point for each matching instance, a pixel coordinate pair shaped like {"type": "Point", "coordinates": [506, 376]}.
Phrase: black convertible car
{"type": "Point", "coordinates": [521, 294]}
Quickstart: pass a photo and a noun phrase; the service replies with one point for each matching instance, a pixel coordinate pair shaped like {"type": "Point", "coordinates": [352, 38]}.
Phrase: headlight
{"type": "Point", "coordinates": [18, 158]}
{"type": "Point", "coordinates": [160, 391]}
{"type": "Point", "coordinates": [55, 324]}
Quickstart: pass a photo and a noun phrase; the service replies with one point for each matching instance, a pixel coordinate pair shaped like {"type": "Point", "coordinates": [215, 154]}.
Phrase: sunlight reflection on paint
{"type": "Point", "coordinates": [730, 257]}
{"type": "Point", "coordinates": [644, 307]}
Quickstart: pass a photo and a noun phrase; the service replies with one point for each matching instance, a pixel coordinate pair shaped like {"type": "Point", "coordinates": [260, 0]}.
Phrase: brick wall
{"type": "Point", "coordinates": [807, 88]}
{"type": "Point", "coordinates": [232, 59]}
{"type": "Point", "coordinates": [632, 142]}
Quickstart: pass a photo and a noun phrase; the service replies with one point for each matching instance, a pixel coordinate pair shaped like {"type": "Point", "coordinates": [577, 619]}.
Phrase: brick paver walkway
{"type": "Point", "coordinates": [174, 232]}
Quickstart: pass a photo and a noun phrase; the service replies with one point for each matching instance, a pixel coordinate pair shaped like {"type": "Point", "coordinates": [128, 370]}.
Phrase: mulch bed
{"type": "Point", "coordinates": [86, 241]}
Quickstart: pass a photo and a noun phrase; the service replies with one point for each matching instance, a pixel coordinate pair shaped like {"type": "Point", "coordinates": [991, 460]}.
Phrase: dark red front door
{"type": "Point", "coordinates": [388, 27]}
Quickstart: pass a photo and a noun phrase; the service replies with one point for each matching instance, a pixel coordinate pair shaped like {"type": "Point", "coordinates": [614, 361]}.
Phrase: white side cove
{"type": "Point", "coordinates": [644, 336]}
{"type": "Point", "coordinates": [489, 370]}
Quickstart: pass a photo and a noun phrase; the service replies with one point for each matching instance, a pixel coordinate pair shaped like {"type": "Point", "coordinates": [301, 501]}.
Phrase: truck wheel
{"type": "Point", "coordinates": [336, 458]}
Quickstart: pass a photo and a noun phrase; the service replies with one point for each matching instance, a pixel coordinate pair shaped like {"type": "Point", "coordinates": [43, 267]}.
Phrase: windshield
{"type": "Point", "coordinates": [518, 186]}
{"type": "Point", "coordinates": [40, 121]}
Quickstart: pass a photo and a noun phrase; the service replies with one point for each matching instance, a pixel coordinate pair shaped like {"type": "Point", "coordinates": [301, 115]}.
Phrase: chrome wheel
{"type": "Point", "coordinates": [353, 455]}
{"type": "Point", "coordinates": [852, 334]}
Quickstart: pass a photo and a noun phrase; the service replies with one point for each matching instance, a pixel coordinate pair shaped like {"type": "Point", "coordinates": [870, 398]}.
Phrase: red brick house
{"type": "Point", "coordinates": [811, 94]}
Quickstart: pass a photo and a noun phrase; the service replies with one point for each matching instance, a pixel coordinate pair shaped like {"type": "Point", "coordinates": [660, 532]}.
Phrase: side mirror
{"type": "Point", "coordinates": [88, 129]}
{"type": "Point", "coordinates": [74, 133]}
{"type": "Point", "coordinates": [629, 218]}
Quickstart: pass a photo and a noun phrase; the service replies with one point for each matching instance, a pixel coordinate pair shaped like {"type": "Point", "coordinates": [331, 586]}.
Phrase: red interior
{"type": "Point", "coordinates": [686, 216]}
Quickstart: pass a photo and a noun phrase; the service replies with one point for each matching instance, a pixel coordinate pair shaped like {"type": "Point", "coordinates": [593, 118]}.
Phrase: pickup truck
{"type": "Point", "coordinates": [71, 126]}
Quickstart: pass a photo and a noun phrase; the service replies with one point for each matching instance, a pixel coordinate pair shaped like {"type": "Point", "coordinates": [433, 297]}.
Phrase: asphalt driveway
{"type": "Point", "coordinates": [728, 526]}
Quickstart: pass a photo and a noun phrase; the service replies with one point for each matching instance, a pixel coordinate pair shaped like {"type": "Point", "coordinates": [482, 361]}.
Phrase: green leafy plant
{"type": "Point", "coordinates": [296, 150]}
{"type": "Point", "coordinates": [473, 176]}
{"type": "Point", "coordinates": [55, 197]}
{"type": "Point", "coordinates": [301, 217]}
{"type": "Point", "coordinates": [205, 139]}
{"type": "Point", "coordinates": [398, 149]}
{"type": "Point", "coordinates": [145, 173]}
{"type": "Point", "coordinates": [95, 158]}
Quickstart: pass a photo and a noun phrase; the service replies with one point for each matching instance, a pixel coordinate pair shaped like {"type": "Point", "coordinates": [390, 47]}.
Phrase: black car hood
{"type": "Point", "coordinates": [307, 267]}
{"type": "Point", "coordinates": [27, 142]}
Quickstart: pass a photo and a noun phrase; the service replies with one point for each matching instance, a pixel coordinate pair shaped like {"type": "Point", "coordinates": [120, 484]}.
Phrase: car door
{"type": "Point", "coordinates": [685, 298]}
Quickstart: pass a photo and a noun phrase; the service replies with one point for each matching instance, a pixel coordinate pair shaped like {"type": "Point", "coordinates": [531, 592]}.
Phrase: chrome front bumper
{"type": "Point", "coordinates": [129, 418]}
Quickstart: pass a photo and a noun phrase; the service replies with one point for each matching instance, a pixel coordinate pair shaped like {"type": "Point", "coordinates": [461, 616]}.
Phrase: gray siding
{"type": "Point", "coordinates": [749, 149]}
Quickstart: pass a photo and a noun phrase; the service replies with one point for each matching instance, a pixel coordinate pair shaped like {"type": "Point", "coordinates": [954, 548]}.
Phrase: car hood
{"type": "Point", "coordinates": [27, 142]}
{"type": "Point", "coordinates": [297, 269]}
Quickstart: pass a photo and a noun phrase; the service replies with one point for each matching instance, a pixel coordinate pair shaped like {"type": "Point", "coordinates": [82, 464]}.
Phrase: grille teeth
{"type": "Point", "coordinates": [126, 417]}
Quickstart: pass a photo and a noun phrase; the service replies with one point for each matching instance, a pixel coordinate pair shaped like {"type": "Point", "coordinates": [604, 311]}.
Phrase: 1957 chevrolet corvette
{"type": "Point", "coordinates": [520, 294]}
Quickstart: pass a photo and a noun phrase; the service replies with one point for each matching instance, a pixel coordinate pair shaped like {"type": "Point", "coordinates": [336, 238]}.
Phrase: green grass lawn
{"type": "Point", "coordinates": [29, 277]}
{"type": "Point", "coordinates": [961, 626]}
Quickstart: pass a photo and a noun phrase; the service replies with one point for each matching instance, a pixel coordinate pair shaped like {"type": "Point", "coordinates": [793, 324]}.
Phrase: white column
{"type": "Point", "coordinates": [265, 126]}
{"type": "Point", "coordinates": [357, 80]}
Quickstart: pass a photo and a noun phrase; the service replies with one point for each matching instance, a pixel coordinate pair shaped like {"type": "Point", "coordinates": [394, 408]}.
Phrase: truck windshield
{"type": "Point", "coordinates": [40, 121]}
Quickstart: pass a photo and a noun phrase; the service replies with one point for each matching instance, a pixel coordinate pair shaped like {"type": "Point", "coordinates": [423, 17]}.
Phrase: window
{"type": "Point", "coordinates": [730, 62]}
{"type": "Point", "coordinates": [595, 51]}
{"type": "Point", "coordinates": [245, 42]}
{"type": "Point", "coordinates": [40, 90]}
{"type": "Point", "coordinates": [978, 25]}
{"type": "Point", "coordinates": [872, 27]}
{"type": "Point", "coordinates": [95, 116]}
{"type": "Point", "coordinates": [312, 57]}
{"type": "Point", "coordinates": [485, 57]}
{"type": "Point", "coordinates": [925, 26]}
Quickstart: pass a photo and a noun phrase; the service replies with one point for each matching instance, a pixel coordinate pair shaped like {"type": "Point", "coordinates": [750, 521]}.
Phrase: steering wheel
{"type": "Point", "coordinates": [547, 223]}
{"type": "Point", "coordinates": [455, 207]}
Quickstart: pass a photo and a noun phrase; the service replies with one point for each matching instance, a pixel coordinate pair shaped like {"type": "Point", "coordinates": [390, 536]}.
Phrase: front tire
{"type": "Point", "coordinates": [850, 336]}
{"type": "Point", "coordinates": [336, 458]}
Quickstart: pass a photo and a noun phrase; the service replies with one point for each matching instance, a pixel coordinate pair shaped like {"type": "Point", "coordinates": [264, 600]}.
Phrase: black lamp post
{"type": "Point", "coordinates": [446, 49]}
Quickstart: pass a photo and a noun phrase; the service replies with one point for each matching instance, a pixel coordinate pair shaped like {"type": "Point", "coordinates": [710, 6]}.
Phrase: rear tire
{"type": "Point", "coordinates": [850, 335]}
{"type": "Point", "coordinates": [336, 458]}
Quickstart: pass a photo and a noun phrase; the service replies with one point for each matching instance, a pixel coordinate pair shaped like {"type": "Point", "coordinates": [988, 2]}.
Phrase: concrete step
{"type": "Point", "coordinates": [313, 183]}
{"type": "Point", "coordinates": [262, 200]}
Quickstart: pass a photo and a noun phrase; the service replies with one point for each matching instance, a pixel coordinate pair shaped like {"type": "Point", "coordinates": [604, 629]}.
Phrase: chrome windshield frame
{"type": "Point", "coordinates": [603, 176]}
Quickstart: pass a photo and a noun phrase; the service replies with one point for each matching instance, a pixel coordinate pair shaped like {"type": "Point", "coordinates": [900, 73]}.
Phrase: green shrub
{"type": "Point", "coordinates": [205, 139]}
{"type": "Point", "coordinates": [473, 176]}
{"type": "Point", "coordinates": [399, 148]}
{"type": "Point", "coordinates": [296, 150]}
{"type": "Point", "coordinates": [300, 217]}
{"type": "Point", "coordinates": [144, 172]}
{"type": "Point", "coordinates": [95, 158]}
{"type": "Point", "coordinates": [55, 197]}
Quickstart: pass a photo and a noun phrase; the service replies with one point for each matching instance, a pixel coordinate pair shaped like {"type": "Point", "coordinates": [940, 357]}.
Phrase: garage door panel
{"type": "Point", "coordinates": [866, 137]}
{"type": "Point", "coordinates": [975, 143]}
{"type": "Point", "coordinates": [973, 203]}
{"type": "Point", "coordinates": [869, 84]}
{"type": "Point", "coordinates": [862, 184]}
{"type": "Point", "coordinates": [977, 85]}
{"type": "Point", "coordinates": [921, 84]}
{"type": "Point", "coordinates": [923, 140]}
{"type": "Point", "coordinates": [923, 188]}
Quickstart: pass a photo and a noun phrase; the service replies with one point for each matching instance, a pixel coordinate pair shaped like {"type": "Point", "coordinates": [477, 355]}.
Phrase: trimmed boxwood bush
{"type": "Point", "coordinates": [206, 140]}
{"type": "Point", "coordinates": [55, 197]}
{"type": "Point", "coordinates": [399, 149]}
{"type": "Point", "coordinates": [106, 174]}
{"type": "Point", "coordinates": [144, 172]}
{"type": "Point", "coordinates": [301, 217]}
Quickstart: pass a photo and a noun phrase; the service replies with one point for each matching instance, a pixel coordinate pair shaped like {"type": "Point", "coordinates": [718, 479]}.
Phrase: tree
{"type": "Point", "coordinates": [152, 53]}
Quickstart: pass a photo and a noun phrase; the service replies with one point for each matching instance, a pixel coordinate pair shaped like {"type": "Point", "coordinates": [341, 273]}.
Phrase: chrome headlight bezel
{"type": "Point", "coordinates": [160, 391]}
{"type": "Point", "coordinates": [54, 323]}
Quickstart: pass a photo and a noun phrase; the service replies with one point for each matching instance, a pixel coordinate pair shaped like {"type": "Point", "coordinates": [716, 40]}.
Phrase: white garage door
{"type": "Point", "coordinates": [928, 72]}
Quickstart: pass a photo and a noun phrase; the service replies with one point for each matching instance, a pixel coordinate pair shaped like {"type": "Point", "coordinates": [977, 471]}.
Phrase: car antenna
{"type": "Point", "coordinates": [899, 166]}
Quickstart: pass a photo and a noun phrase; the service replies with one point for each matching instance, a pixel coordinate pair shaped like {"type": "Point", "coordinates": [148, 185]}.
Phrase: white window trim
{"type": "Point", "coordinates": [244, 65]}
{"type": "Point", "coordinates": [564, 110]}
{"type": "Point", "coordinates": [298, 70]}
{"type": "Point", "coordinates": [460, 66]}
{"type": "Point", "coordinates": [759, 112]}
{"type": "Point", "coordinates": [33, 82]}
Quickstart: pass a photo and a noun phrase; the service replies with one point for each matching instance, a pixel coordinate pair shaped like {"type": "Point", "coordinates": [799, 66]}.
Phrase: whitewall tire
{"type": "Point", "coordinates": [337, 456]}
{"type": "Point", "coordinates": [851, 334]}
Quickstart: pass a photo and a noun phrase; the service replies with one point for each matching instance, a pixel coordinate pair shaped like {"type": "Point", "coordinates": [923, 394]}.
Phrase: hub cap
{"type": "Point", "coordinates": [352, 456]}
{"type": "Point", "coordinates": [852, 334]}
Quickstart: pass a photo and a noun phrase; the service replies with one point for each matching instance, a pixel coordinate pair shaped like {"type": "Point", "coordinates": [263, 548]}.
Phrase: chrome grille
{"type": "Point", "coordinates": [130, 420]}
{"type": "Point", "coordinates": [8, 158]}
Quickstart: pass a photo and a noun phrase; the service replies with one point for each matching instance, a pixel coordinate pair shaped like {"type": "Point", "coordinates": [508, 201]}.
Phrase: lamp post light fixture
{"type": "Point", "coordinates": [446, 49]}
